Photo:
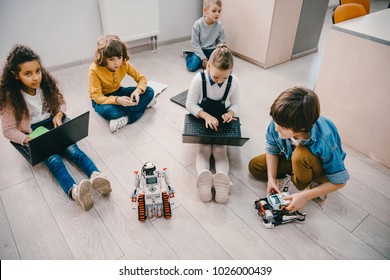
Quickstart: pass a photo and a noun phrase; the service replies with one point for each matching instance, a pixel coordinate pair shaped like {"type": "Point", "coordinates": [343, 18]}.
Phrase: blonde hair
{"type": "Point", "coordinates": [222, 58]}
{"type": "Point", "coordinates": [109, 46]}
{"type": "Point", "coordinates": [207, 3]}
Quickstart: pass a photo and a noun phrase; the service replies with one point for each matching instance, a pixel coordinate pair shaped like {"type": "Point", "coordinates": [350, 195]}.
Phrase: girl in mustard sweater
{"type": "Point", "coordinates": [120, 105]}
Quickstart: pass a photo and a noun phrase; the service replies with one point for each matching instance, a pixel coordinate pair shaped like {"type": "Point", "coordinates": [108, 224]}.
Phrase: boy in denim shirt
{"type": "Point", "coordinates": [301, 142]}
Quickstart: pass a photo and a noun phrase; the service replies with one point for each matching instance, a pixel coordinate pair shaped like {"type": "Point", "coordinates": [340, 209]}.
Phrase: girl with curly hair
{"type": "Point", "coordinates": [29, 98]}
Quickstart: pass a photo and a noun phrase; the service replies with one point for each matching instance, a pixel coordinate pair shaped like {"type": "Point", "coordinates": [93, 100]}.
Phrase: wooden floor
{"type": "Point", "coordinates": [38, 221]}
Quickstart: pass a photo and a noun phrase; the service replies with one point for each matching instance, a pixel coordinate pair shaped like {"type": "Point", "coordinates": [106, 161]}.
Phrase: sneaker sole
{"type": "Point", "coordinates": [85, 197]}
{"type": "Point", "coordinates": [102, 185]}
{"type": "Point", "coordinates": [204, 185]}
{"type": "Point", "coordinates": [222, 186]}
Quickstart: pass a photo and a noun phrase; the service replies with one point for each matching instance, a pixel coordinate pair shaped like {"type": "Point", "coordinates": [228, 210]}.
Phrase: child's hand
{"type": "Point", "coordinates": [228, 117]}
{"type": "Point", "coordinates": [298, 200]}
{"type": "Point", "coordinates": [57, 119]}
{"type": "Point", "coordinates": [135, 96]}
{"type": "Point", "coordinates": [272, 186]}
{"type": "Point", "coordinates": [211, 122]}
{"type": "Point", "coordinates": [126, 101]}
{"type": "Point", "coordinates": [204, 63]}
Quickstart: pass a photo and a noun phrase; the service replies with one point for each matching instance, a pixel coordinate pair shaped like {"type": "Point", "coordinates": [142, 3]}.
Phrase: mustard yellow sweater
{"type": "Point", "coordinates": [102, 81]}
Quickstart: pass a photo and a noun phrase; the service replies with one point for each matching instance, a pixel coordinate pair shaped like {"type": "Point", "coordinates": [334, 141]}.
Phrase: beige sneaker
{"type": "Point", "coordinates": [320, 200]}
{"type": "Point", "coordinates": [285, 184]}
{"type": "Point", "coordinates": [117, 124]}
{"type": "Point", "coordinates": [222, 185]}
{"type": "Point", "coordinates": [100, 183]}
{"type": "Point", "coordinates": [82, 194]}
{"type": "Point", "coordinates": [204, 184]}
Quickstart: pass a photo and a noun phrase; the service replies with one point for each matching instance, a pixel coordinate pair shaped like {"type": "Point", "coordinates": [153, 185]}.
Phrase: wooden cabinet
{"type": "Point", "coordinates": [261, 31]}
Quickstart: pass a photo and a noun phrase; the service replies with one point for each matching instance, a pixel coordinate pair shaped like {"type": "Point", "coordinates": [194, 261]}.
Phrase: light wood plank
{"type": "Point", "coordinates": [370, 200]}
{"type": "Point", "coordinates": [376, 234]}
{"type": "Point", "coordinates": [334, 238]}
{"type": "Point", "coordinates": [85, 233]}
{"type": "Point", "coordinates": [188, 238]}
{"type": "Point", "coordinates": [36, 232]}
{"type": "Point", "coordinates": [14, 169]}
{"type": "Point", "coordinates": [8, 248]}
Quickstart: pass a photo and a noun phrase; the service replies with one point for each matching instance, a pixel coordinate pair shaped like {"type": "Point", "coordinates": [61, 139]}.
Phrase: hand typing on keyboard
{"type": "Point", "coordinates": [210, 121]}
{"type": "Point", "coordinates": [228, 117]}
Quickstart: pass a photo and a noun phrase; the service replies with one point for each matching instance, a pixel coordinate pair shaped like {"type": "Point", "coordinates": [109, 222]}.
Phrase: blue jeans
{"type": "Point", "coordinates": [133, 113]}
{"type": "Point", "coordinates": [61, 174]}
{"type": "Point", "coordinates": [193, 62]}
{"type": "Point", "coordinates": [58, 168]}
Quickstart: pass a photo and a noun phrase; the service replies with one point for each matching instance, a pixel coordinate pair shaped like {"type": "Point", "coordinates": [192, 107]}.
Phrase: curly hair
{"type": "Point", "coordinates": [221, 57]}
{"type": "Point", "coordinates": [109, 46]}
{"type": "Point", "coordinates": [11, 87]}
{"type": "Point", "coordinates": [296, 108]}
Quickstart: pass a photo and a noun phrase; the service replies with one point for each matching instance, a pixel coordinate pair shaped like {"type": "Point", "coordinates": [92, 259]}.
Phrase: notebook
{"type": "Point", "coordinates": [53, 141]}
{"type": "Point", "coordinates": [181, 98]}
{"type": "Point", "coordinates": [195, 131]}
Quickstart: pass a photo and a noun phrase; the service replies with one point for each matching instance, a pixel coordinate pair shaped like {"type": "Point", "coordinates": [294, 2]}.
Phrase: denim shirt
{"type": "Point", "coordinates": [324, 142]}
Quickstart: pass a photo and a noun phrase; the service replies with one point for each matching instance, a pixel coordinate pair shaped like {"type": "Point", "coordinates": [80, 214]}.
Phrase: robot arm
{"type": "Point", "coordinates": [171, 191]}
{"type": "Point", "coordinates": [137, 187]}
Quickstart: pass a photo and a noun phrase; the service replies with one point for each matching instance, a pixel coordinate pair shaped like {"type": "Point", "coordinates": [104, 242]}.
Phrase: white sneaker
{"type": "Point", "coordinates": [100, 183]}
{"type": "Point", "coordinates": [222, 185]}
{"type": "Point", "coordinates": [204, 184]}
{"type": "Point", "coordinates": [118, 123]}
{"type": "Point", "coordinates": [152, 103]}
{"type": "Point", "coordinates": [82, 194]}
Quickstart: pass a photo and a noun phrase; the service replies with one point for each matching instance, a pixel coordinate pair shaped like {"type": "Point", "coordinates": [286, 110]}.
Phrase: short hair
{"type": "Point", "coordinates": [221, 57]}
{"type": "Point", "coordinates": [109, 46]}
{"type": "Point", "coordinates": [216, 2]}
{"type": "Point", "coordinates": [297, 109]}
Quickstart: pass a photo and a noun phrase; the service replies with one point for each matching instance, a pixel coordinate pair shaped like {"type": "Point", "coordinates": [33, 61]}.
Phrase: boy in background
{"type": "Point", "coordinates": [207, 33]}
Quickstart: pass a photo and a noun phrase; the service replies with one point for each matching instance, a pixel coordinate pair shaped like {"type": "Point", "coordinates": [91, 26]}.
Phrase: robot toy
{"type": "Point", "coordinates": [272, 210]}
{"type": "Point", "coordinates": [153, 198]}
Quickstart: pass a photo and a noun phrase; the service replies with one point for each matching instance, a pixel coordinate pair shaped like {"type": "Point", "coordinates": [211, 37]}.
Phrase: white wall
{"type": "Point", "coordinates": [65, 32]}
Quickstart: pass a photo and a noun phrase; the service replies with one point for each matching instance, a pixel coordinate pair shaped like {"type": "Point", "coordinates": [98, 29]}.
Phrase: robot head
{"type": "Point", "coordinates": [148, 168]}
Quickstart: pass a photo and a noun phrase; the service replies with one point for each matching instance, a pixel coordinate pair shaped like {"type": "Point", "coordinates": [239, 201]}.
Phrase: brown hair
{"type": "Point", "coordinates": [222, 58]}
{"type": "Point", "coordinates": [109, 46]}
{"type": "Point", "coordinates": [297, 109]}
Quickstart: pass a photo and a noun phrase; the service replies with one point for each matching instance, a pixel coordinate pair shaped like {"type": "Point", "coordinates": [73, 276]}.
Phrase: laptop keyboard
{"type": "Point", "coordinates": [25, 149]}
{"type": "Point", "coordinates": [223, 131]}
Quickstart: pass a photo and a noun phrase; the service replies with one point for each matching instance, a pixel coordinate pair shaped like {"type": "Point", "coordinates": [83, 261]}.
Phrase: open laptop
{"type": "Point", "coordinates": [181, 98]}
{"type": "Point", "coordinates": [195, 131]}
{"type": "Point", "coordinates": [55, 140]}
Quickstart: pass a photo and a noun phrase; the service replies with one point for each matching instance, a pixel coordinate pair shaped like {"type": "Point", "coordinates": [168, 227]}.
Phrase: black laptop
{"type": "Point", "coordinates": [55, 140]}
{"type": "Point", "coordinates": [195, 131]}
{"type": "Point", "coordinates": [181, 98]}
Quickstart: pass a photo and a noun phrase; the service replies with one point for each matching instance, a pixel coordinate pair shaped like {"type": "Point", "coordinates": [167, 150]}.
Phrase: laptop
{"type": "Point", "coordinates": [195, 131]}
{"type": "Point", "coordinates": [55, 140]}
{"type": "Point", "coordinates": [181, 98]}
